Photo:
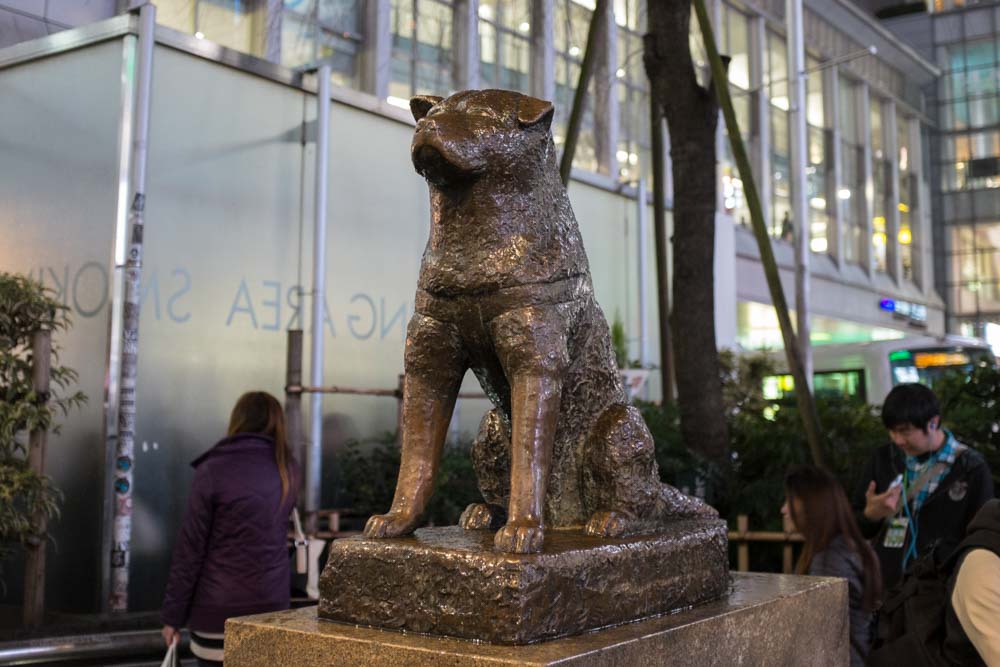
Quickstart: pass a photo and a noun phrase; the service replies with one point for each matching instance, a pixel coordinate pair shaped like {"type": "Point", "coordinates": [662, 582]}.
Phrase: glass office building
{"type": "Point", "coordinates": [963, 41]}
{"type": "Point", "coordinates": [870, 163]}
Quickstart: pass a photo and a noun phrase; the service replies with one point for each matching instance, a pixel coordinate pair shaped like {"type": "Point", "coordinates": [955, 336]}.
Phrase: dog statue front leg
{"type": "Point", "coordinates": [434, 368]}
{"type": "Point", "coordinates": [535, 407]}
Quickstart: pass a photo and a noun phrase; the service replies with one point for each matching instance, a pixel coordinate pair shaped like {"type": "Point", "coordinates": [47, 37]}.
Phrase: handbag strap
{"type": "Point", "coordinates": [300, 537]}
{"type": "Point", "coordinates": [932, 472]}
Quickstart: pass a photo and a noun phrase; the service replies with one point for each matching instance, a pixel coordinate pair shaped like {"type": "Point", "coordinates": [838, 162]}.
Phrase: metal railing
{"type": "Point", "coordinates": [103, 646]}
{"type": "Point", "coordinates": [295, 389]}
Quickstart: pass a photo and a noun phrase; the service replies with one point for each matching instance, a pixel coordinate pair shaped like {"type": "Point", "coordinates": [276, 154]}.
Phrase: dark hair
{"type": "Point", "coordinates": [912, 404]}
{"type": "Point", "coordinates": [259, 412]}
{"type": "Point", "coordinates": [828, 514]}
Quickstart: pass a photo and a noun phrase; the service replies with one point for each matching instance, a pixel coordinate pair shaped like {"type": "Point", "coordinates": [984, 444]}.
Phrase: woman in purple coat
{"type": "Point", "coordinates": [231, 557]}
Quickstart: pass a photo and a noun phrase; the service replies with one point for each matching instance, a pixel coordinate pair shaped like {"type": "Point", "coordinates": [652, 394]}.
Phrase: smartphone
{"type": "Point", "coordinates": [896, 482]}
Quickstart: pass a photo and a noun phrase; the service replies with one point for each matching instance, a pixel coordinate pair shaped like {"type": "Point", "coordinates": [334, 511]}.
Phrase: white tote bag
{"type": "Point", "coordinates": [307, 553]}
{"type": "Point", "coordinates": [170, 659]}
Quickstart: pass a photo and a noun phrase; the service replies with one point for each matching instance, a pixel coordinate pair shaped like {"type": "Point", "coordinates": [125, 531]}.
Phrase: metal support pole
{"type": "Point", "coordinates": [126, 399]}
{"type": "Point", "coordinates": [662, 250]}
{"type": "Point", "coordinates": [642, 223]}
{"type": "Point", "coordinates": [314, 461]}
{"type": "Point", "coordinates": [112, 371]}
{"type": "Point", "coordinates": [465, 55]}
{"type": "Point", "coordinates": [543, 58]}
{"type": "Point", "coordinates": [800, 210]}
{"type": "Point", "coordinates": [34, 565]}
{"type": "Point", "coordinates": [293, 399]}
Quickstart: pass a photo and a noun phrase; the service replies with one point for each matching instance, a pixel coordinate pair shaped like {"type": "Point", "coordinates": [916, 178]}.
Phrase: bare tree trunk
{"type": "Point", "coordinates": [34, 567]}
{"type": "Point", "coordinates": [803, 395]}
{"type": "Point", "coordinates": [692, 117]}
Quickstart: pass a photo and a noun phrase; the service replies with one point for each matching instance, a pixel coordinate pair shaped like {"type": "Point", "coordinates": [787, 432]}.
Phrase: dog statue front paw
{"type": "Point", "coordinates": [606, 524]}
{"type": "Point", "coordinates": [477, 516]}
{"type": "Point", "coordinates": [392, 524]}
{"type": "Point", "coordinates": [520, 537]}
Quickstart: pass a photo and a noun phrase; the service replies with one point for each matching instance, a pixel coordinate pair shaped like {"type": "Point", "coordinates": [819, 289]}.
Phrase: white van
{"type": "Point", "coordinates": [868, 371]}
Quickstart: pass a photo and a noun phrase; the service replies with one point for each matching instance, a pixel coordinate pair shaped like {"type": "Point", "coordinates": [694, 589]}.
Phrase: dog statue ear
{"type": "Point", "coordinates": [532, 111]}
{"type": "Point", "coordinates": [421, 104]}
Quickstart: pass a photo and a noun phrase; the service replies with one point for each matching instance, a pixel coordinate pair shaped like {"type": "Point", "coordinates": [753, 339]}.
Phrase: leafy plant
{"type": "Point", "coordinates": [767, 438]}
{"type": "Point", "coordinates": [368, 472]}
{"type": "Point", "coordinates": [619, 342]}
{"type": "Point", "coordinates": [27, 307]}
{"type": "Point", "coordinates": [970, 406]}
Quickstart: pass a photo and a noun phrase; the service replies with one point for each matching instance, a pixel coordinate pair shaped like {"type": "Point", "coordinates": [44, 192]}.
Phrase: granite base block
{"type": "Point", "coordinates": [767, 619]}
{"type": "Point", "coordinates": [449, 581]}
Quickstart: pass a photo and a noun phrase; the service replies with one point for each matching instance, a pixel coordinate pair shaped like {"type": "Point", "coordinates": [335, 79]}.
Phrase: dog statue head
{"type": "Point", "coordinates": [477, 133]}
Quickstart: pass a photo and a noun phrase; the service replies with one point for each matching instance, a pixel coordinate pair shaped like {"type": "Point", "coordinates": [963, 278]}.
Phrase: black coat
{"type": "Point", "coordinates": [984, 533]}
{"type": "Point", "coordinates": [943, 517]}
{"type": "Point", "coordinates": [839, 560]}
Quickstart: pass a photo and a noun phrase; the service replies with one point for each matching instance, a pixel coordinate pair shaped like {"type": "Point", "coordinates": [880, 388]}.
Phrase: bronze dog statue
{"type": "Point", "coordinates": [505, 290]}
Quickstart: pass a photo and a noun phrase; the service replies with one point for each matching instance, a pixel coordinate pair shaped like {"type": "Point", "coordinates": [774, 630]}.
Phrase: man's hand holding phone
{"type": "Point", "coordinates": [879, 506]}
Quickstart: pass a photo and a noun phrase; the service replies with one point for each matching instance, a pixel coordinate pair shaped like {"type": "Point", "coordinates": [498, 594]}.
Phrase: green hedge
{"type": "Point", "coordinates": [767, 438]}
{"type": "Point", "coordinates": [971, 407]}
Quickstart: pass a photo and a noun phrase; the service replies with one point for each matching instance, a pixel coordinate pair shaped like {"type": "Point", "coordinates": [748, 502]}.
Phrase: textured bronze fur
{"type": "Point", "coordinates": [505, 290]}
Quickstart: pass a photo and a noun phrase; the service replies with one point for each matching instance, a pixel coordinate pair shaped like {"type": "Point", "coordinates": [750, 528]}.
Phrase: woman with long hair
{"type": "Point", "coordinates": [231, 557]}
{"type": "Point", "coordinates": [834, 547]}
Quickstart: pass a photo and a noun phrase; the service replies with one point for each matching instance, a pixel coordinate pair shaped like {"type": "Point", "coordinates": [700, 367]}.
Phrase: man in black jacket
{"type": "Point", "coordinates": [921, 489]}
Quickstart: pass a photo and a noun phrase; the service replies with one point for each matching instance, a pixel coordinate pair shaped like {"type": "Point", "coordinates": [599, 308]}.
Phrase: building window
{"type": "Point", "coordinates": [329, 31]}
{"type": "Point", "coordinates": [233, 25]}
{"type": "Point", "coordinates": [505, 44]}
{"type": "Point", "coordinates": [969, 107]}
{"type": "Point", "coordinates": [421, 48]}
{"type": "Point", "coordinates": [974, 279]}
{"type": "Point", "coordinates": [734, 41]}
{"type": "Point", "coordinates": [776, 84]}
{"type": "Point", "coordinates": [634, 141]}
{"type": "Point", "coordinates": [907, 205]}
{"type": "Point", "coordinates": [817, 173]}
{"type": "Point", "coordinates": [851, 190]}
{"type": "Point", "coordinates": [881, 169]}
{"type": "Point", "coordinates": [572, 22]}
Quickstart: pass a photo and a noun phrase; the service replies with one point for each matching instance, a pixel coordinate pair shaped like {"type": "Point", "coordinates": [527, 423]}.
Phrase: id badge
{"type": "Point", "coordinates": [895, 533]}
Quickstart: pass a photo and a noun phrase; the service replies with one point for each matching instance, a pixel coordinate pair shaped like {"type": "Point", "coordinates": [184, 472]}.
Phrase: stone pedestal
{"type": "Point", "coordinates": [765, 620]}
{"type": "Point", "coordinates": [449, 581]}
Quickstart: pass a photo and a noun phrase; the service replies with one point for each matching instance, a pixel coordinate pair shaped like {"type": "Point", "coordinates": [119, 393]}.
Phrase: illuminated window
{"type": "Point", "coordinates": [734, 41]}
{"type": "Point", "coordinates": [776, 83]}
{"type": "Point", "coordinates": [231, 25]}
{"type": "Point", "coordinates": [421, 48]}
{"type": "Point", "coordinates": [851, 191]}
{"type": "Point", "coordinates": [505, 44]}
{"type": "Point", "coordinates": [881, 169]}
{"type": "Point", "coordinates": [818, 198]}
{"type": "Point", "coordinates": [907, 237]}
{"type": "Point", "coordinates": [572, 22]}
{"type": "Point", "coordinates": [831, 384]}
{"type": "Point", "coordinates": [323, 30]}
{"type": "Point", "coordinates": [974, 277]}
{"type": "Point", "coordinates": [633, 152]}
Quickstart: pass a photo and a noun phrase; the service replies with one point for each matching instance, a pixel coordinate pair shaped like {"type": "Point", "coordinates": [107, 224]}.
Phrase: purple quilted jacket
{"type": "Point", "coordinates": [231, 556]}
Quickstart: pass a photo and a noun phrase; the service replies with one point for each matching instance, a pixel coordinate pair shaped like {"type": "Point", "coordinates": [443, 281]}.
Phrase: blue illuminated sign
{"type": "Point", "coordinates": [914, 312]}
